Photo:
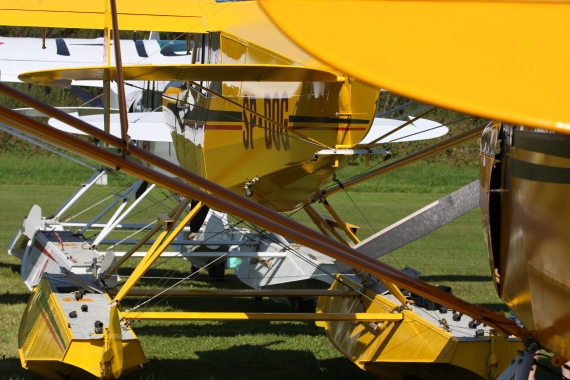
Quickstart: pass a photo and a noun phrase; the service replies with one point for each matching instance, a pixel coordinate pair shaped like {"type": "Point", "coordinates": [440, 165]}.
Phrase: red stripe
{"type": "Point", "coordinates": [43, 269]}
{"type": "Point", "coordinates": [44, 316]}
{"type": "Point", "coordinates": [39, 247]}
{"type": "Point", "coordinates": [48, 255]}
{"type": "Point", "coordinates": [213, 127]}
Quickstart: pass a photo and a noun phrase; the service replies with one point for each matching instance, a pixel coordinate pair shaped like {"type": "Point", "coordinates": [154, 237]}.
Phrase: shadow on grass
{"type": "Point", "coordinates": [15, 268]}
{"type": "Point", "coordinates": [11, 368]}
{"type": "Point", "coordinates": [252, 362]}
{"type": "Point", "coordinates": [456, 278]}
{"type": "Point", "coordinates": [245, 362]}
{"type": "Point", "coordinates": [225, 329]}
{"type": "Point", "coordinates": [14, 298]}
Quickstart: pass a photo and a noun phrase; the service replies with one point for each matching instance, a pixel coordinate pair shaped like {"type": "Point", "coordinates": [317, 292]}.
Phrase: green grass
{"type": "Point", "coordinates": [416, 178]}
{"type": "Point", "coordinates": [454, 255]}
{"type": "Point", "coordinates": [16, 169]}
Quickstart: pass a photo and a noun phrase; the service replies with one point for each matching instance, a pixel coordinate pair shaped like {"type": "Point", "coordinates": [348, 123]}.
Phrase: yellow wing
{"type": "Point", "coordinates": [235, 18]}
{"type": "Point", "coordinates": [505, 60]}
{"type": "Point", "coordinates": [166, 15]}
{"type": "Point", "coordinates": [192, 16]}
{"type": "Point", "coordinates": [215, 72]}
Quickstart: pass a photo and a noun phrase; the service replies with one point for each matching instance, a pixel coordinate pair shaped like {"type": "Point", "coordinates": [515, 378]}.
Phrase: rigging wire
{"type": "Point", "coordinates": [193, 274]}
{"type": "Point", "coordinates": [107, 196]}
{"type": "Point", "coordinates": [131, 235]}
{"type": "Point", "coordinates": [261, 233]}
{"type": "Point", "coordinates": [270, 237]}
{"type": "Point", "coordinates": [190, 276]}
{"type": "Point", "coordinates": [367, 221]}
{"type": "Point", "coordinates": [307, 260]}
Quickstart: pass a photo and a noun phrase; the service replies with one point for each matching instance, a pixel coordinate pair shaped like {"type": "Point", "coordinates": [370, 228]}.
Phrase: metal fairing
{"type": "Point", "coordinates": [527, 230]}
{"type": "Point", "coordinates": [58, 346]}
{"type": "Point", "coordinates": [414, 347]}
{"type": "Point", "coordinates": [230, 145]}
{"type": "Point", "coordinates": [305, 268]}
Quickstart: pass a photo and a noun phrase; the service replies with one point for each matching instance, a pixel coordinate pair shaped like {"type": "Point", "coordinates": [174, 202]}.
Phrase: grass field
{"type": "Point", "coordinates": [455, 255]}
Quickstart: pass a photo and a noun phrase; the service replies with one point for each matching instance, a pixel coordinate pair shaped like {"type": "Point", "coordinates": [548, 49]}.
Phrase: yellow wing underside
{"type": "Point", "coordinates": [190, 72]}
{"type": "Point", "coordinates": [191, 16]}
{"type": "Point", "coordinates": [505, 60]}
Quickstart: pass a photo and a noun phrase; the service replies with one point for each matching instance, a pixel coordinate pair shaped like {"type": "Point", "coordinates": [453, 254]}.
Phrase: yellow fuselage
{"type": "Point", "coordinates": [231, 143]}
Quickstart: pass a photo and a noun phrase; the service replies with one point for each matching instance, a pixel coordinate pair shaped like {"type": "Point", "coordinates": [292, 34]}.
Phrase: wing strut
{"type": "Point", "coordinates": [419, 224]}
{"type": "Point", "coordinates": [120, 82]}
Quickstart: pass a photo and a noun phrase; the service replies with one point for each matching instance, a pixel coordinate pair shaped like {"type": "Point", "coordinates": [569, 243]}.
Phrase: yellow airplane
{"type": "Point", "coordinates": [255, 114]}
{"type": "Point", "coordinates": [448, 53]}
{"type": "Point", "coordinates": [505, 60]}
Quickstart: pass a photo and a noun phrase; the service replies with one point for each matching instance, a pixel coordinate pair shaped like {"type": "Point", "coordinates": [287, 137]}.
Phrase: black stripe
{"type": "Point", "coordinates": [541, 173]}
{"type": "Point", "coordinates": [141, 49]}
{"type": "Point", "coordinates": [61, 47]}
{"type": "Point", "coordinates": [325, 120]}
{"type": "Point", "coordinates": [228, 116]}
{"type": "Point", "coordinates": [547, 143]}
